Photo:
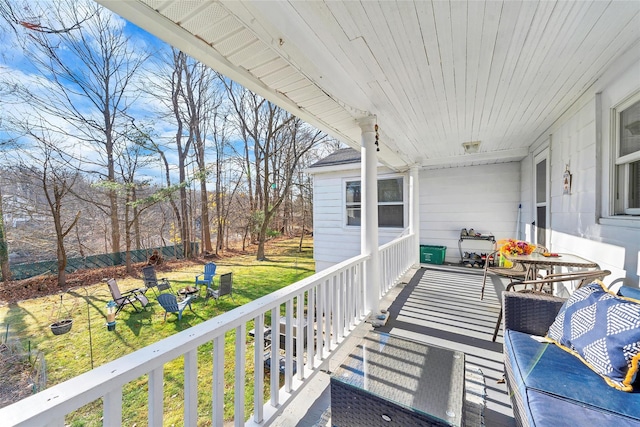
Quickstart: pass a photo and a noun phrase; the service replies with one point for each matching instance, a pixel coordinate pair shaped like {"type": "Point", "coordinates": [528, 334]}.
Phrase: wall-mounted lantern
{"type": "Point", "coordinates": [566, 181]}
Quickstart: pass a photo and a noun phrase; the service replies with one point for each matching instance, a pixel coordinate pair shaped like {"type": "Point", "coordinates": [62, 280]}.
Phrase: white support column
{"type": "Point", "coordinates": [414, 211]}
{"type": "Point", "coordinates": [369, 214]}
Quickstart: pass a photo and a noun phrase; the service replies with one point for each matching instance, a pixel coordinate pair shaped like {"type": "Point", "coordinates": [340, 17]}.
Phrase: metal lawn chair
{"type": "Point", "coordinates": [171, 305]}
{"type": "Point", "coordinates": [517, 271]}
{"type": "Point", "coordinates": [132, 297]}
{"type": "Point", "coordinates": [152, 282]}
{"type": "Point", "coordinates": [225, 287]}
{"type": "Point", "coordinates": [538, 286]}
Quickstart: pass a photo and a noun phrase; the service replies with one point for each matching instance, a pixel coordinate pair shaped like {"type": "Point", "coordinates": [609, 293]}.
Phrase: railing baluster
{"type": "Point", "coordinates": [333, 299]}
{"type": "Point", "coordinates": [300, 337]}
{"type": "Point", "coordinates": [241, 363]}
{"type": "Point", "coordinates": [218, 381]}
{"type": "Point", "coordinates": [327, 314]}
{"type": "Point", "coordinates": [274, 373]}
{"type": "Point", "coordinates": [112, 408]}
{"type": "Point", "coordinates": [319, 322]}
{"type": "Point", "coordinates": [340, 305]}
{"type": "Point", "coordinates": [311, 329]}
{"type": "Point", "coordinates": [156, 397]}
{"type": "Point", "coordinates": [288, 345]}
{"type": "Point", "coordinates": [191, 388]}
{"type": "Point", "coordinates": [258, 374]}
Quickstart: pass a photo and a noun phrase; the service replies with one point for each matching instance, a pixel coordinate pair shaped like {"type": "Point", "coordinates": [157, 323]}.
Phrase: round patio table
{"type": "Point", "coordinates": [535, 261]}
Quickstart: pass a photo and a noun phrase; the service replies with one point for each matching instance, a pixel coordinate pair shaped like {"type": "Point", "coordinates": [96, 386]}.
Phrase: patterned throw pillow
{"type": "Point", "coordinates": [602, 330]}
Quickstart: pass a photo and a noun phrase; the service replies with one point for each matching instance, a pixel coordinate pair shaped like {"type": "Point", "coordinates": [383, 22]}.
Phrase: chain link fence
{"type": "Point", "coordinates": [22, 372]}
{"type": "Point", "coordinates": [26, 270]}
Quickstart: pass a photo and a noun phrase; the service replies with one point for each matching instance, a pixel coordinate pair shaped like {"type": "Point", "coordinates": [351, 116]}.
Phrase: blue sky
{"type": "Point", "coordinates": [16, 68]}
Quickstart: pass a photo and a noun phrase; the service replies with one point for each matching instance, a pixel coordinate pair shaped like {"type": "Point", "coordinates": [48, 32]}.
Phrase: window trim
{"type": "Point", "coordinates": [404, 204]}
{"type": "Point", "coordinates": [619, 206]}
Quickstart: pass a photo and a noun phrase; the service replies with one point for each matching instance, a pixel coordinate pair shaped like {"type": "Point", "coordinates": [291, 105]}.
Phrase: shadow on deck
{"type": "Point", "coordinates": [438, 305]}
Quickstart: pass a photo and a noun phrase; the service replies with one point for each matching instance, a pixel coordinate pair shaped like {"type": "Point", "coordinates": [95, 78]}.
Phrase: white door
{"type": "Point", "coordinates": [541, 199]}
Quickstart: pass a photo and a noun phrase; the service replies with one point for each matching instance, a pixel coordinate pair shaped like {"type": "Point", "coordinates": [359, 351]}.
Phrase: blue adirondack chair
{"type": "Point", "coordinates": [171, 305]}
{"type": "Point", "coordinates": [206, 278]}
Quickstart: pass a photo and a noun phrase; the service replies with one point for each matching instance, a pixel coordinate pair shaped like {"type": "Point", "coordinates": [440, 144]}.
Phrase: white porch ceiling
{"type": "Point", "coordinates": [436, 74]}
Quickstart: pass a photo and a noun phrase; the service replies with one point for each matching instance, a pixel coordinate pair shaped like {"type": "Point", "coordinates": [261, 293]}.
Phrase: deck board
{"type": "Point", "coordinates": [441, 306]}
{"type": "Point", "coordinates": [438, 305]}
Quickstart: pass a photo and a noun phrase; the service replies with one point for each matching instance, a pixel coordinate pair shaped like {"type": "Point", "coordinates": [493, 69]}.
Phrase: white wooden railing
{"type": "Point", "coordinates": [333, 300]}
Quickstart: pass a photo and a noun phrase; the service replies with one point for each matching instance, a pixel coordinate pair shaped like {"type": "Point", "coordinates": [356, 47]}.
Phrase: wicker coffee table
{"type": "Point", "coordinates": [390, 381]}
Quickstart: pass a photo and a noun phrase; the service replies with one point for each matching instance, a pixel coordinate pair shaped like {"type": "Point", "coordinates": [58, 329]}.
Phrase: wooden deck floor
{"type": "Point", "coordinates": [442, 306]}
{"type": "Point", "coordinates": [438, 305]}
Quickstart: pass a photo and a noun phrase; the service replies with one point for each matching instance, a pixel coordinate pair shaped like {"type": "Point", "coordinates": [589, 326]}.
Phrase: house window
{"type": "Point", "coordinates": [627, 158]}
{"type": "Point", "coordinates": [390, 202]}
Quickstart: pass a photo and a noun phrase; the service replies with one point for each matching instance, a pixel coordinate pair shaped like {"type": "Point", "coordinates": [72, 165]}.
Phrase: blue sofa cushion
{"type": "Point", "coordinates": [628, 292]}
{"type": "Point", "coordinates": [602, 330]}
{"type": "Point", "coordinates": [553, 385]}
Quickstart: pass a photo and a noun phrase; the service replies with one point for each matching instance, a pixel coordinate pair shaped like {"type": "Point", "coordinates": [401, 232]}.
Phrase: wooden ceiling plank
{"type": "Point", "coordinates": [540, 48]}
{"type": "Point", "coordinates": [568, 89]}
{"type": "Point", "coordinates": [442, 19]}
{"type": "Point", "coordinates": [459, 26]}
{"type": "Point", "coordinates": [518, 20]}
{"type": "Point", "coordinates": [380, 19]}
{"type": "Point", "coordinates": [512, 99]}
{"type": "Point", "coordinates": [432, 75]}
{"type": "Point", "coordinates": [428, 112]}
{"type": "Point", "coordinates": [474, 50]}
{"type": "Point", "coordinates": [491, 15]}
{"type": "Point", "coordinates": [560, 47]}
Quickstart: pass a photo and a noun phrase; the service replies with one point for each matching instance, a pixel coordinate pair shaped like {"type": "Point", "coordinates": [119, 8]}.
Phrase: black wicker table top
{"type": "Point", "coordinates": [421, 378]}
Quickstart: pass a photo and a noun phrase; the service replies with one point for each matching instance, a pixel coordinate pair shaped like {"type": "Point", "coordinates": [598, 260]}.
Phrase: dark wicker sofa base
{"type": "Point", "coordinates": [351, 407]}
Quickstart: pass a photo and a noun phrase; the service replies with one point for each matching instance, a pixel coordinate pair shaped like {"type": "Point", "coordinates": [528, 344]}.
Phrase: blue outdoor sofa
{"type": "Point", "coordinates": [549, 386]}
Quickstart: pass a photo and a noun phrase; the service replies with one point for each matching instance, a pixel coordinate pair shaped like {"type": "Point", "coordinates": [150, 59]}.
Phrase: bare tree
{"type": "Point", "coordinates": [279, 141]}
{"type": "Point", "coordinates": [201, 99]}
{"type": "Point", "coordinates": [87, 70]}
{"type": "Point", "coordinates": [44, 161]}
{"type": "Point", "coordinates": [4, 247]}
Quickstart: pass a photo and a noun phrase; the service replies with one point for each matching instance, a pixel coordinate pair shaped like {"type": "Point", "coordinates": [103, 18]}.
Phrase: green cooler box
{"type": "Point", "coordinates": [430, 254]}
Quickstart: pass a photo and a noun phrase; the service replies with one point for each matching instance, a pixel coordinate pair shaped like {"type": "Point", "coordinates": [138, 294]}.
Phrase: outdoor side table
{"type": "Point", "coordinates": [187, 292]}
{"type": "Point", "coordinates": [390, 381]}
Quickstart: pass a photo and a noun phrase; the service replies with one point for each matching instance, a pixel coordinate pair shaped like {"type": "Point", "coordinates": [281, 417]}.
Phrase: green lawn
{"type": "Point", "coordinates": [69, 355]}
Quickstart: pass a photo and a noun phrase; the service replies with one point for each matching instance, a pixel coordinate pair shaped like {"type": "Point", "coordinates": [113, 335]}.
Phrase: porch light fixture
{"type": "Point", "coordinates": [471, 147]}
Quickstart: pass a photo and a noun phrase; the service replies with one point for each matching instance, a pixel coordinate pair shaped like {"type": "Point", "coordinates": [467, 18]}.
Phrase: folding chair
{"type": "Point", "coordinates": [152, 282]}
{"type": "Point", "coordinates": [224, 288]}
{"type": "Point", "coordinates": [127, 298]}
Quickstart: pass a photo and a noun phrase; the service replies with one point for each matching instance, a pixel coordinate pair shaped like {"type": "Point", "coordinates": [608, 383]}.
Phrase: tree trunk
{"type": "Point", "coordinates": [204, 223]}
{"type": "Point", "coordinates": [4, 248]}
